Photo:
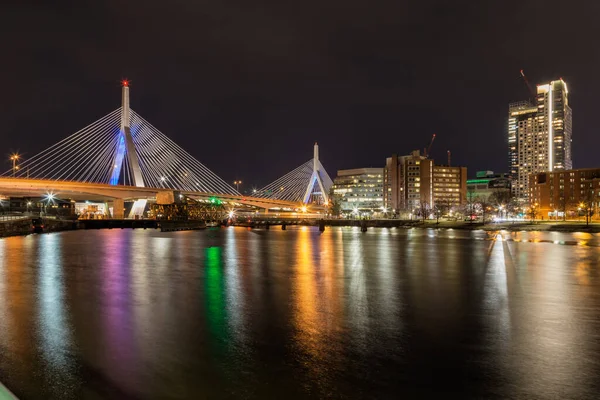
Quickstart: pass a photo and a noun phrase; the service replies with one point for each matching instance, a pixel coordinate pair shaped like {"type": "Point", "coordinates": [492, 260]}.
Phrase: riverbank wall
{"type": "Point", "coordinates": [24, 226]}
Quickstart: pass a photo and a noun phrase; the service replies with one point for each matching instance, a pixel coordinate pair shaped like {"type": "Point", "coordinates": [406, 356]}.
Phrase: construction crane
{"type": "Point", "coordinates": [533, 93]}
{"type": "Point", "coordinates": [427, 151]}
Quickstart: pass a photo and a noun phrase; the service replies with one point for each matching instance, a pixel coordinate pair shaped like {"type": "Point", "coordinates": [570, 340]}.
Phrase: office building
{"type": "Point", "coordinates": [413, 179]}
{"type": "Point", "coordinates": [539, 135]}
{"type": "Point", "coordinates": [359, 190]}
{"type": "Point", "coordinates": [488, 184]}
{"type": "Point", "coordinates": [565, 192]}
{"type": "Point", "coordinates": [407, 179]}
{"type": "Point", "coordinates": [449, 186]}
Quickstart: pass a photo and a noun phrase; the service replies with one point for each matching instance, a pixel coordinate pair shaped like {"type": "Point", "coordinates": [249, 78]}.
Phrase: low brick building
{"type": "Point", "coordinates": [567, 192]}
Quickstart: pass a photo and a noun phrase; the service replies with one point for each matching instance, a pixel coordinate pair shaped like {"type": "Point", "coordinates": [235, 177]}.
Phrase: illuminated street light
{"type": "Point", "coordinates": [237, 185]}
{"type": "Point", "coordinates": [14, 158]}
{"type": "Point", "coordinates": [304, 209]}
{"type": "Point", "coordinates": [231, 214]}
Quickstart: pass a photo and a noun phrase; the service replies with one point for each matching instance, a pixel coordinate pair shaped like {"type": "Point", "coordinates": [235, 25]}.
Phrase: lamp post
{"type": "Point", "coordinates": [237, 185]}
{"type": "Point", "coordinates": [14, 158]}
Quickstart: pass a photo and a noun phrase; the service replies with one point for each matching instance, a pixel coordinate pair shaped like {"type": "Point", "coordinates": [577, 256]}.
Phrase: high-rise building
{"type": "Point", "coordinates": [539, 135]}
{"type": "Point", "coordinates": [449, 186]}
{"type": "Point", "coordinates": [408, 181]}
{"type": "Point", "coordinates": [405, 181]}
{"type": "Point", "coordinates": [359, 190]}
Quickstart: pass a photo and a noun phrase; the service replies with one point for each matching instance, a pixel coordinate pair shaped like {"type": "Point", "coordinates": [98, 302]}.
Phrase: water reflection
{"type": "Point", "coordinates": [54, 325]}
{"type": "Point", "coordinates": [298, 313]}
{"type": "Point", "coordinates": [495, 292]}
{"type": "Point", "coordinates": [216, 312]}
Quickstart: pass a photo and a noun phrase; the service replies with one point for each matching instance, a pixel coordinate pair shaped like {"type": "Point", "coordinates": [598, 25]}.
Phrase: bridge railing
{"type": "Point", "coordinates": [13, 217]}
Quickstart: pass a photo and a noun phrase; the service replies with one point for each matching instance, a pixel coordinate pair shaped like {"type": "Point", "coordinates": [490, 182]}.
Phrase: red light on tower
{"type": "Point", "coordinates": [125, 83]}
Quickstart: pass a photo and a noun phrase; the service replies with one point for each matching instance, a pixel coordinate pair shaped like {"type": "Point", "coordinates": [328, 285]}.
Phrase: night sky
{"type": "Point", "coordinates": [247, 86]}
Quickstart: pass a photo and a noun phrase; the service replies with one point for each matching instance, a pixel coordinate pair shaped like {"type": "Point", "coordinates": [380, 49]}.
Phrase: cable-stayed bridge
{"type": "Point", "coordinates": [307, 183]}
{"type": "Point", "coordinates": [122, 157]}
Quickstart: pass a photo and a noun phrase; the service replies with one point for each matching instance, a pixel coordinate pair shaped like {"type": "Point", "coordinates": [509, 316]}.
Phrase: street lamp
{"type": "Point", "coordinates": [237, 185]}
{"type": "Point", "coordinates": [14, 158]}
{"type": "Point", "coordinates": [46, 202]}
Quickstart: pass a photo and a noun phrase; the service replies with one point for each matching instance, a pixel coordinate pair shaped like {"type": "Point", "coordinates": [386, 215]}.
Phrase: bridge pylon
{"type": "Point", "coordinates": [122, 149]}
{"type": "Point", "coordinates": [301, 184]}
{"type": "Point", "coordinates": [125, 145]}
{"type": "Point", "coordinates": [315, 178]}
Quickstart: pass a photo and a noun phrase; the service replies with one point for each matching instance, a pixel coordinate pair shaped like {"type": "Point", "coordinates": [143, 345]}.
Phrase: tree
{"type": "Point", "coordinates": [562, 205]}
{"type": "Point", "coordinates": [500, 198]}
{"type": "Point", "coordinates": [335, 207]}
{"type": "Point", "coordinates": [533, 211]}
{"type": "Point", "coordinates": [441, 208]}
{"type": "Point", "coordinates": [486, 207]}
{"type": "Point", "coordinates": [587, 205]}
{"type": "Point", "coordinates": [424, 209]}
{"type": "Point", "coordinates": [513, 208]}
{"type": "Point", "coordinates": [470, 205]}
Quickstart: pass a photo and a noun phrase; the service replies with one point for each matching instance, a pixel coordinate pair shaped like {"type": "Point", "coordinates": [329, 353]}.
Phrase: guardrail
{"type": "Point", "coordinates": [13, 217]}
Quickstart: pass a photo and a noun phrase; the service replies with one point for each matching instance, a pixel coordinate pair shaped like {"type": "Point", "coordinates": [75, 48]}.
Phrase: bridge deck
{"type": "Point", "coordinates": [81, 191]}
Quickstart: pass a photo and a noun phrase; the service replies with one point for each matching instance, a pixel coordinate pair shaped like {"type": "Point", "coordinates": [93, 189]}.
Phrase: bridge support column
{"type": "Point", "coordinates": [321, 225]}
{"type": "Point", "coordinates": [118, 209]}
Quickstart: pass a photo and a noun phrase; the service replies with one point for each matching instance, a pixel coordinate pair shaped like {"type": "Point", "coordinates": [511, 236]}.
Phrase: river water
{"type": "Point", "coordinates": [237, 313]}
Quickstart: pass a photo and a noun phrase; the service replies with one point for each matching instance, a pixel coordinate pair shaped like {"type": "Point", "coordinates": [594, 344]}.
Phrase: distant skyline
{"type": "Point", "coordinates": [247, 88]}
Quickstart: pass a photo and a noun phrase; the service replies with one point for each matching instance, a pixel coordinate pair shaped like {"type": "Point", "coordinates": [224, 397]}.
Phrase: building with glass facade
{"type": "Point", "coordinates": [487, 183]}
{"type": "Point", "coordinates": [539, 135]}
{"type": "Point", "coordinates": [359, 190]}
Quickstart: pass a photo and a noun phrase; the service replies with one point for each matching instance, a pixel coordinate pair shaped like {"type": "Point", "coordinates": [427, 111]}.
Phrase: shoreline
{"type": "Point", "coordinates": [528, 226]}
{"type": "Point", "coordinates": [538, 226]}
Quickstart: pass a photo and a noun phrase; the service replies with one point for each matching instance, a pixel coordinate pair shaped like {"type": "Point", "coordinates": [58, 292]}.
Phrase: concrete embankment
{"type": "Point", "coordinates": [553, 226]}
{"type": "Point", "coordinates": [25, 226]}
{"type": "Point", "coordinates": [117, 224]}
{"type": "Point", "coordinates": [569, 226]}
{"type": "Point", "coordinates": [173, 226]}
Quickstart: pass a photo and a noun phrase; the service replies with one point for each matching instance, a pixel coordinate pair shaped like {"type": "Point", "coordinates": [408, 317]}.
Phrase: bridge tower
{"type": "Point", "coordinates": [125, 146]}
{"type": "Point", "coordinates": [316, 178]}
